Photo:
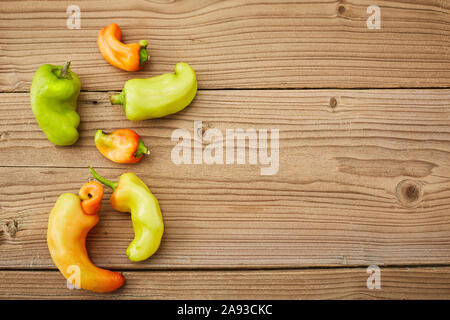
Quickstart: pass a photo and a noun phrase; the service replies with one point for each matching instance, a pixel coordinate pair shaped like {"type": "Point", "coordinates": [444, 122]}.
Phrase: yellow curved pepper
{"type": "Point", "coordinates": [132, 195]}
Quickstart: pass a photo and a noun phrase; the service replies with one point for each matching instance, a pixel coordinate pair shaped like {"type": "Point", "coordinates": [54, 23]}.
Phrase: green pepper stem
{"type": "Point", "coordinates": [65, 68]}
{"type": "Point", "coordinates": [143, 54]}
{"type": "Point", "coordinates": [116, 99]}
{"type": "Point", "coordinates": [112, 185]}
{"type": "Point", "coordinates": [141, 149]}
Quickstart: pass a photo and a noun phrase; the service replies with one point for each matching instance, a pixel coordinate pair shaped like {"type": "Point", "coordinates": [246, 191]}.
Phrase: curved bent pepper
{"type": "Point", "coordinates": [132, 195]}
{"type": "Point", "coordinates": [54, 94]}
{"type": "Point", "coordinates": [158, 96]}
{"type": "Point", "coordinates": [68, 225]}
{"type": "Point", "coordinates": [121, 146]}
{"type": "Point", "coordinates": [128, 57]}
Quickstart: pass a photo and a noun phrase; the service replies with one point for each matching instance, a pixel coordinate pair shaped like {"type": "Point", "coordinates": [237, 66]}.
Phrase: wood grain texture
{"type": "Point", "coordinates": [363, 179]}
{"type": "Point", "coordinates": [237, 44]}
{"type": "Point", "coordinates": [343, 283]}
{"type": "Point", "coordinates": [367, 133]}
{"type": "Point", "coordinates": [366, 182]}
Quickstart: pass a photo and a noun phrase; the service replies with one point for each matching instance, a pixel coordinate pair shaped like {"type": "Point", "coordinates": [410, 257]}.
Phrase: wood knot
{"type": "Point", "coordinates": [333, 103]}
{"type": "Point", "coordinates": [409, 193]}
{"type": "Point", "coordinates": [11, 227]}
{"type": "Point", "coordinates": [341, 9]}
{"type": "Point", "coordinates": [201, 130]}
{"type": "Point", "coordinates": [4, 135]}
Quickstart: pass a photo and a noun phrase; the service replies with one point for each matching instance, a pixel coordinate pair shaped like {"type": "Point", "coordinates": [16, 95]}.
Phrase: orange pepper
{"type": "Point", "coordinates": [69, 222]}
{"type": "Point", "coordinates": [128, 57]}
{"type": "Point", "coordinates": [121, 146]}
{"type": "Point", "coordinates": [91, 195]}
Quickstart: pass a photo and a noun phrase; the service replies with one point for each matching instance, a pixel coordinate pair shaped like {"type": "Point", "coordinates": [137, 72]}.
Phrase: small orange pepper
{"type": "Point", "coordinates": [121, 146]}
{"type": "Point", "coordinates": [91, 195]}
{"type": "Point", "coordinates": [128, 57]}
{"type": "Point", "coordinates": [69, 222]}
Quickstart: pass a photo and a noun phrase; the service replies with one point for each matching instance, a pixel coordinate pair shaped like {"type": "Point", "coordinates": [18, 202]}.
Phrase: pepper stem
{"type": "Point", "coordinates": [143, 54]}
{"type": "Point", "coordinates": [65, 68]}
{"type": "Point", "coordinates": [99, 178]}
{"type": "Point", "coordinates": [116, 99]}
{"type": "Point", "coordinates": [141, 149]}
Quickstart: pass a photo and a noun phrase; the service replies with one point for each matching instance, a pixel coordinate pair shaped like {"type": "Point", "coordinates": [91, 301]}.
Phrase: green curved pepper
{"type": "Point", "coordinates": [54, 94]}
{"type": "Point", "coordinates": [132, 195]}
{"type": "Point", "coordinates": [158, 96]}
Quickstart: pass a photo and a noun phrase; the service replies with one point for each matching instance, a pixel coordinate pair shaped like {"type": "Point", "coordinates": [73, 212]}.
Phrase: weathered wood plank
{"type": "Point", "coordinates": [365, 182]}
{"type": "Point", "coordinates": [243, 222]}
{"type": "Point", "coordinates": [235, 44]}
{"type": "Point", "coordinates": [353, 132]}
{"type": "Point", "coordinates": [342, 283]}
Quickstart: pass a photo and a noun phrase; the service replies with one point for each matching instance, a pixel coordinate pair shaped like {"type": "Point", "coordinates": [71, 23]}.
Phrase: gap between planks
{"type": "Point", "coordinates": [255, 269]}
{"type": "Point", "coordinates": [269, 89]}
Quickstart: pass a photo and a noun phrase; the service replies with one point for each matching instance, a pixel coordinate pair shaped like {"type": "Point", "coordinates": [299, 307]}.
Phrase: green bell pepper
{"type": "Point", "coordinates": [158, 96]}
{"type": "Point", "coordinates": [54, 94]}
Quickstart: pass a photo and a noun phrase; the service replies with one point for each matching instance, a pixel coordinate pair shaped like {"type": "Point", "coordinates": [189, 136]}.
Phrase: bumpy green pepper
{"type": "Point", "coordinates": [158, 96]}
{"type": "Point", "coordinates": [54, 94]}
{"type": "Point", "coordinates": [132, 195]}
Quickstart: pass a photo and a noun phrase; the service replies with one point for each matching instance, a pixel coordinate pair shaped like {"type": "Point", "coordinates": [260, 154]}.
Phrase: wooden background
{"type": "Point", "coordinates": [364, 172]}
